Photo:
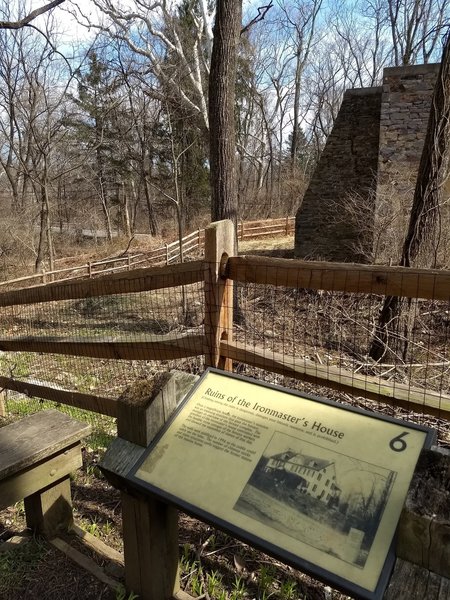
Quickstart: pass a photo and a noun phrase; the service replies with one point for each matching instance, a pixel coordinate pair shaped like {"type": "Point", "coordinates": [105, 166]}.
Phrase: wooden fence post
{"type": "Point", "coordinates": [3, 398]}
{"type": "Point", "coordinates": [150, 527]}
{"type": "Point", "coordinates": [423, 552]}
{"type": "Point", "coordinates": [219, 246]}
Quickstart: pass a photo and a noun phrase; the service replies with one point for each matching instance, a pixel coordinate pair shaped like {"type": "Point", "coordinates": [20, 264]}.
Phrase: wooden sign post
{"type": "Point", "coordinates": [150, 527]}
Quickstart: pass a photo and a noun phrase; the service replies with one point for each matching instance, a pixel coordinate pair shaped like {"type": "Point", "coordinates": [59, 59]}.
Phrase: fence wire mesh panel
{"type": "Point", "coordinates": [376, 337]}
{"type": "Point", "coordinates": [326, 341]}
{"type": "Point", "coordinates": [97, 346]}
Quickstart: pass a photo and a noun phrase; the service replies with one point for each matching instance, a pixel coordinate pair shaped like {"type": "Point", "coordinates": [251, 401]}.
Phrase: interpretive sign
{"type": "Point", "coordinates": [315, 483]}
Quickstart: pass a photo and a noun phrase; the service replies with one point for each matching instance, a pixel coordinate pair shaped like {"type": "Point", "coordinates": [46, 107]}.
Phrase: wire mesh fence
{"type": "Point", "coordinates": [324, 339]}
{"type": "Point", "coordinates": [317, 327]}
{"type": "Point", "coordinates": [98, 346]}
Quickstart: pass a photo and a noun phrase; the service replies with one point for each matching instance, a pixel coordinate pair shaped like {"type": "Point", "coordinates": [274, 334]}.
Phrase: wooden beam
{"type": "Point", "coordinates": [220, 244]}
{"type": "Point", "coordinates": [150, 527]}
{"type": "Point", "coordinates": [3, 399]}
{"type": "Point", "coordinates": [98, 404]}
{"type": "Point", "coordinates": [424, 527]}
{"type": "Point", "coordinates": [411, 582]}
{"type": "Point", "coordinates": [85, 562]}
{"type": "Point", "coordinates": [398, 394]}
{"type": "Point", "coordinates": [345, 277]}
{"type": "Point", "coordinates": [49, 510]}
{"type": "Point", "coordinates": [97, 545]}
{"type": "Point", "coordinates": [137, 280]}
{"type": "Point", "coordinates": [164, 347]}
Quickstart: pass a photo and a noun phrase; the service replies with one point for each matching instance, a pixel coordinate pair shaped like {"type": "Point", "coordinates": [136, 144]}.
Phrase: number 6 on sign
{"type": "Point", "coordinates": [398, 444]}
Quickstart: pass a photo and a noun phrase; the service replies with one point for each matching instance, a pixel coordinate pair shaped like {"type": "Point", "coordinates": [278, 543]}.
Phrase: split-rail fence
{"type": "Point", "coordinates": [150, 538]}
{"type": "Point", "coordinates": [218, 271]}
{"type": "Point", "coordinates": [168, 254]}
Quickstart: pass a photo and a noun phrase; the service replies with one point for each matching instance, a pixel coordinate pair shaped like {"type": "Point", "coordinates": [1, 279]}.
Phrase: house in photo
{"type": "Point", "coordinates": [313, 476]}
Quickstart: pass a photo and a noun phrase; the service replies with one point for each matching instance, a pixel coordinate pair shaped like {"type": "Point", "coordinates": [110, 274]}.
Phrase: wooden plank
{"type": "Point", "coordinates": [423, 401]}
{"type": "Point", "coordinates": [120, 457]}
{"type": "Point", "coordinates": [137, 280]}
{"type": "Point", "coordinates": [150, 527]}
{"type": "Point", "coordinates": [164, 347]}
{"type": "Point", "coordinates": [268, 222]}
{"type": "Point", "coordinates": [21, 279]}
{"type": "Point", "coordinates": [262, 229]}
{"type": "Point", "coordinates": [190, 236]}
{"type": "Point", "coordinates": [150, 531]}
{"type": "Point", "coordinates": [99, 547]}
{"type": "Point", "coordinates": [259, 234]}
{"type": "Point", "coordinates": [85, 562]}
{"type": "Point", "coordinates": [182, 595]}
{"type": "Point", "coordinates": [48, 472]}
{"type": "Point", "coordinates": [345, 277]}
{"type": "Point", "coordinates": [220, 244]}
{"type": "Point", "coordinates": [37, 437]}
{"type": "Point", "coordinates": [411, 582]}
{"type": "Point", "coordinates": [424, 527]}
{"type": "Point", "coordinates": [98, 404]}
{"type": "Point", "coordinates": [65, 270]}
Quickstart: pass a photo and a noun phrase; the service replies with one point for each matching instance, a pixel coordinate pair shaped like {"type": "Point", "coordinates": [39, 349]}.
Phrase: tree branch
{"type": "Point", "coordinates": [262, 11]}
{"type": "Point", "coordinates": [33, 14]}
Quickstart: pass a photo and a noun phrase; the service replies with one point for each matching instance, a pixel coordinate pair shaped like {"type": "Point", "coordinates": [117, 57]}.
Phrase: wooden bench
{"type": "Point", "coordinates": [37, 455]}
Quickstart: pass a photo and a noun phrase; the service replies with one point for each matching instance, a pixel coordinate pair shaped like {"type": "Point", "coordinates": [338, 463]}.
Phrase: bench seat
{"type": "Point", "coordinates": [37, 455]}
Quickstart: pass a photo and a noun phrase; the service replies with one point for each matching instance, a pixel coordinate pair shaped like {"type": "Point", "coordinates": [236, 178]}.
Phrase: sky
{"type": "Point", "coordinates": [71, 30]}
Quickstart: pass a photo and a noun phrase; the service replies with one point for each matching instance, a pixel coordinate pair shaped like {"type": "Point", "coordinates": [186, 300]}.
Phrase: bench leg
{"type": "Point", "coordinates": [49, 511]}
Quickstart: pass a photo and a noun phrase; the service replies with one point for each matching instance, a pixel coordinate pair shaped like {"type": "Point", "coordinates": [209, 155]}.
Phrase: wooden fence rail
{"type": "Point", "coordinates": [218, 271]}
{"type": "Point", "coordinates": [341, 277]}
{"type": "Point", "coordinates": [164, 255]}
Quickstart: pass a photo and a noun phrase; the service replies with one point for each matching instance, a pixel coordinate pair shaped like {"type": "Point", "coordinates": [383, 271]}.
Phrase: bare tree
{"type": "Point", "coordinates": [180, 63]}
{"type": "Point", "coordinates": [301, 18]}
{"type": "Point", "coordinates": [26, 20]}
{"type": "Point", "coordinates": [416, 27]}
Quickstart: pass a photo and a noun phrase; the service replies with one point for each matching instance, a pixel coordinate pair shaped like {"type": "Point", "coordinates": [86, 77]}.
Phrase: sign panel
{"type": "Point", "coordinates": [315, 483]}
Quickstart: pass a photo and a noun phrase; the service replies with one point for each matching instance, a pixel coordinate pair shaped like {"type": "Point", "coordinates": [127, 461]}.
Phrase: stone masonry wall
{"type": "Point", "coordinates": [405, 108]}
{"type": "Point", "coordinates": [344, 178]}
{"type": "Point", "coordinates": [357, 204]}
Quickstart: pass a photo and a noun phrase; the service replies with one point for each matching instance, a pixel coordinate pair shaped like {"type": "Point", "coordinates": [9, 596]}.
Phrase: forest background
{"type": "Point", "coordinates": [104, 120]}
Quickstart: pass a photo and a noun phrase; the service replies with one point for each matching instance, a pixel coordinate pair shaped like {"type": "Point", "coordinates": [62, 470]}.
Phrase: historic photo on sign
{"type": "Point", "coordinates": [314, 483]}
{"type": "Point", "coordinates": [325, 499]}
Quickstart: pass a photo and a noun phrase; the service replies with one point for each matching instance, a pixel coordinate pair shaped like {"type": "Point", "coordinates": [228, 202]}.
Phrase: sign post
{"type": "Point", "coordinates": [316, 484]}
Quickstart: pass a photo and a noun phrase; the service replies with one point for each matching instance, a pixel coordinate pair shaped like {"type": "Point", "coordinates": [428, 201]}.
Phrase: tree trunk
{"type": "Point", "coordinates": [152, 222]}
{"type": "Point", "coordinates": [222, 80]}
{"type": "Point", "coordinates": [45, 246]}
{"type": "Point", "coordinates": [419, 248]}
